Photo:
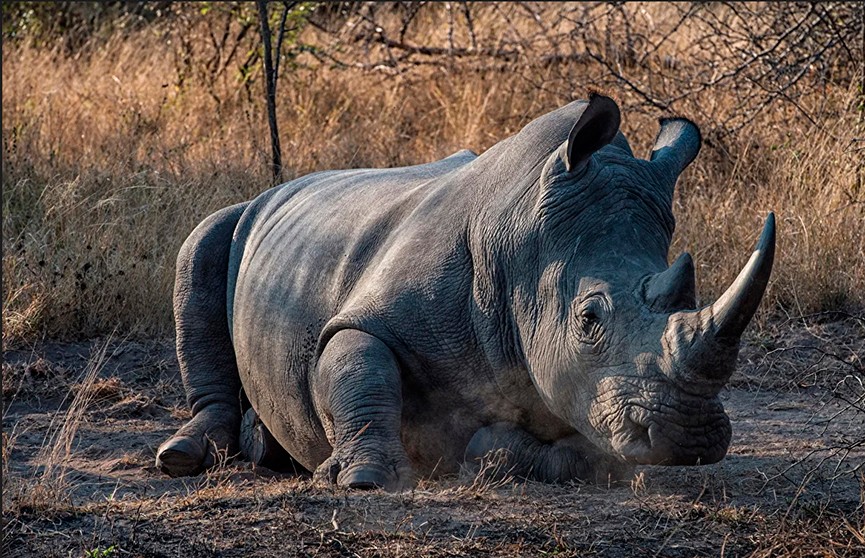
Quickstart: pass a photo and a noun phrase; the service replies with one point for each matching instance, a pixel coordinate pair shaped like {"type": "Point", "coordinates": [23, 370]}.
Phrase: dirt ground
{"type": "Point", "coordinates": [82, 421]}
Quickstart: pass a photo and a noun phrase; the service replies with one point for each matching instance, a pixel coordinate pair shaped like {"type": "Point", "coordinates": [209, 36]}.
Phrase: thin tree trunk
{"type": "Point", "coordinates": [270, 84]}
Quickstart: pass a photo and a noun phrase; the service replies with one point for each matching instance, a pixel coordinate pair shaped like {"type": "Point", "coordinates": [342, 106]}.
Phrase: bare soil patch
{"type": "Point", "coordinates": [82, 421]}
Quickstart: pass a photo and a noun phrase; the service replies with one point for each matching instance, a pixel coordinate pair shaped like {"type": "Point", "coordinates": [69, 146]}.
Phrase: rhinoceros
{"type": "Point", "coordinates": [391, 324]}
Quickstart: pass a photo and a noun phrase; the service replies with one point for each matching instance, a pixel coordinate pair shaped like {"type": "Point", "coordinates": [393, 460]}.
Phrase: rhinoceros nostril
{"type": "Point", "coordinates": [642, 434]}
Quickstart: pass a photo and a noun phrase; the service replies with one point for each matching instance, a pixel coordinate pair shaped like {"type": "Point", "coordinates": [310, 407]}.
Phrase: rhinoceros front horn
{"type": "Point", "coordinates": [732, 312]}
{"type": "Point", "coordinates": [701, 345]}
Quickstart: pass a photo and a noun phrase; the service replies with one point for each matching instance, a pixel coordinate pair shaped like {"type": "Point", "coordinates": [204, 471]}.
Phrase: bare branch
{"type": "Point", "coordinates": [270, 87]}
{"type": "Point", "coordinates": [286, 7]}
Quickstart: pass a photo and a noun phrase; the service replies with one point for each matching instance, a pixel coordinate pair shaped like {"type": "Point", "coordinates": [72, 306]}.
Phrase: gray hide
{"type": "Point", "coordinates": [387, 324]}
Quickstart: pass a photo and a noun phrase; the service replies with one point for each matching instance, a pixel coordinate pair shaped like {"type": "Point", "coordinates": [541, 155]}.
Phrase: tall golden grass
{"type": "Point", "coordinates": [109, 161]}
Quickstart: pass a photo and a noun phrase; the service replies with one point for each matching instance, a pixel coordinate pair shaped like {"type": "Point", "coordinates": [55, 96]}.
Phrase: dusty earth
{"type": "Point", "coordinates": [82, 421]}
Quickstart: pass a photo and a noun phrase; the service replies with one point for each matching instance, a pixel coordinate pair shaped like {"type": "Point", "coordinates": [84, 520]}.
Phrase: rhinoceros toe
{"type": "Point", "coordinates": [366, 475]}
{"type": "Point", "coordinates": [181, 456]}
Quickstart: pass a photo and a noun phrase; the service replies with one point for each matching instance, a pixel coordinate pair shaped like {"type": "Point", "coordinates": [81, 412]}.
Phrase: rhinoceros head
{"type": "Point", "coordinates": [611, 334]}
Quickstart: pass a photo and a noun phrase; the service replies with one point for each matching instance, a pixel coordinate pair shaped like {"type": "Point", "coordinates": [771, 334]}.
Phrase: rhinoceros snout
{"type": "Point", "coordinates": [663, 440]}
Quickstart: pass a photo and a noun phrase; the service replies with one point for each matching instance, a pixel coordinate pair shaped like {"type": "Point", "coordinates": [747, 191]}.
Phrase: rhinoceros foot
{"type": "Point", "coordinates": [366, 475]}
{"type": "Point", "coordinates": [181, 456]}
{"type": "Point", "coordinates": [210, 435]}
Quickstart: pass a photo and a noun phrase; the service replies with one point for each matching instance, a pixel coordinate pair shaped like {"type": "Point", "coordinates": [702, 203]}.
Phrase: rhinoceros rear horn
{"type": "Point", "coordinates": [595, 128]}
{"type": "Point", "coordinates": [673, 289]}
{"type": "Point", "coordinates": [677, 144]}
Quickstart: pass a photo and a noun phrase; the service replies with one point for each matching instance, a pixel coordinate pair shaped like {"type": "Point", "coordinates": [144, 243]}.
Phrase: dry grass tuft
{"type": "Point", "coordinates": [50, 491]}
{"type": "Point", "coordinates": [39, 377]}
{"type": "Point", "coordinates": [825, 536]}
{"type": "Point", "coordinates": [811, 178]}
{"type": "Point", "coordinates": [493, 472]}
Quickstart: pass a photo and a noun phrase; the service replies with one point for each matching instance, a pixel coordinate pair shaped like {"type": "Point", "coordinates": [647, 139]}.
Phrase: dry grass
{"type": "Point", "coordinates": [109, 161]}
{"type": "Point", "coordinates": [50, 490]}
{"type": "Point", "coordinates": [811, 177]}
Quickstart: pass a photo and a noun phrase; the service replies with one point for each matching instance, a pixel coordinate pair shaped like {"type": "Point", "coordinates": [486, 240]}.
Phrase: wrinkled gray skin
{"type": "Point", "coordinates": [387, 324]}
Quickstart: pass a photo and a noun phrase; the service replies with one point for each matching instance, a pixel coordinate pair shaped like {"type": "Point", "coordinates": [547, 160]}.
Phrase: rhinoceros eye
{"type": "Point", "coordinates": [589, 317]}
{"type": "Point", "coordinates": [589, 323]}
{"type": "Point", "coordinates": [589, 320]}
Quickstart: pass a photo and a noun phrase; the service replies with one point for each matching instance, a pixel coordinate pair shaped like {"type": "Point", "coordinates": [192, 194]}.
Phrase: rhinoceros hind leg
{"type": "Point", "coordinates": [259, 446]}
{"type": "Point", "coordinates": [505, 450]}
{"type": "Point", "coordinates": [204, 349]}
{"type": "Point", "coordinates": [358, 395]}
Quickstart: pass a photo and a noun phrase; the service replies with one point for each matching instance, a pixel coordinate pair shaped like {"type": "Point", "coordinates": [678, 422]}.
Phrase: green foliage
{"type": "Point", "coordinates": [100, 552]}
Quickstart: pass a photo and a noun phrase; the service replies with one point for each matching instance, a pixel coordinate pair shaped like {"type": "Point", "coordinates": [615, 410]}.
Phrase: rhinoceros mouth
{"type": "Point", "coordinates": [666, 437]}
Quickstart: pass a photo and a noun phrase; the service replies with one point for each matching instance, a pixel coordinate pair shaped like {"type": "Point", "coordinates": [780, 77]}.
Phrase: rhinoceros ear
{"type": "Point", "coordinates": [677, 144]}
{"type": "Point", "coordinates": [596, 127]}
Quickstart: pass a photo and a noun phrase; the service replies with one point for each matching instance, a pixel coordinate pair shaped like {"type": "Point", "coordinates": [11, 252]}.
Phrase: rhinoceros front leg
{"type": "Point", "coordinates": [504, 449]}
{"type": "Point", "coordinates": [357, 393]}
